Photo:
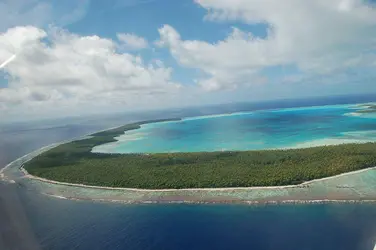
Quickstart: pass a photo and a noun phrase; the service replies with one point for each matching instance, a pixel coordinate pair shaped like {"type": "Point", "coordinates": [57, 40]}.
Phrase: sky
{"type": "Point", "coordinates": [76, 57]}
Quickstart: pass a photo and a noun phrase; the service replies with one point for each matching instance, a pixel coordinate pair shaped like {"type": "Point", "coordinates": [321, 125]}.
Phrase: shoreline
{"type": "Point", "coordinates": [228, 195]}
{"type": "Point", "coordinates": [302, 193]}
{"type": "Point", "coordinates": [305, 192]}
{"type": "Point", "coordinates": [63, 190]}
{"type": "Point", "coordinates": [302, 185]}
{"type": "Point", "coordinates": [229, 202]}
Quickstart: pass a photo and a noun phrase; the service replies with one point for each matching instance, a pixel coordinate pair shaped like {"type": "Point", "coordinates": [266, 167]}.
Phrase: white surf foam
{"type": "Point", "coordinates": [215, 116]}
{"type": "Point", "coordinates": [328, 142]}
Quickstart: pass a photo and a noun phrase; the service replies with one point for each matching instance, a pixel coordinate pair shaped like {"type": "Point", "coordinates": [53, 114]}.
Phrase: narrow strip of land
{"type": "Point", "coordinates": [74, 162]}
{"type": "Point", "coordinates": [304, 184]}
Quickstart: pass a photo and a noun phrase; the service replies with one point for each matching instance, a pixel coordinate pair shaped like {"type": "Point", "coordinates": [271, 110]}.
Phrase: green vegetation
{"type": "Point", "coordinates": [370, 108]}
{"type": "Point", "coordinates": [366, 111]}
{"type": "Point", "coordinates": [73, 162]}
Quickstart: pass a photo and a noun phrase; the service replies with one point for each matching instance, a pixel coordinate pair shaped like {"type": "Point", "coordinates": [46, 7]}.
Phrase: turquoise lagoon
{"type": "Point", "coordinates": [255, 130]}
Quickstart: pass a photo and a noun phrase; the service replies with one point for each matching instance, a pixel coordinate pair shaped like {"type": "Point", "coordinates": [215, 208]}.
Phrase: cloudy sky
{"type": "Point", "coordinates": [75, 57]}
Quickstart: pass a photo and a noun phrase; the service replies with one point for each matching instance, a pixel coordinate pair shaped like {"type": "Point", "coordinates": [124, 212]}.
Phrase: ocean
{"type": "Point", "coordinates": [34, 221]}
{"type": "Point", "coordinates": [62, 224]}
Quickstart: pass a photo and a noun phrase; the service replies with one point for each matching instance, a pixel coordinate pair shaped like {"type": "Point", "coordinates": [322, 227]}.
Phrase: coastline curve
{"type": "Point", "coordinates": [325, 190]}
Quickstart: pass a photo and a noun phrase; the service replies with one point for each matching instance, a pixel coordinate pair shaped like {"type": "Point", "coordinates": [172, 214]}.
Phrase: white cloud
{"type": "Point", "coordinates": [317, 36]}
{"type": "Point", "coordinates": [58, 69]}
{"type": "Point", "coordinates": [132, 41]}
{"type": "Point", "coordinates": [52, 70]}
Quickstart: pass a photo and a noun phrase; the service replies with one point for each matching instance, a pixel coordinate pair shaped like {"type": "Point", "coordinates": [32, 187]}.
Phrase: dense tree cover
{"type": "Point", "coordinates": [109, 135]}
{"type": "Point", "coordinates": [367, 111]}
{"type": "Point", "coordinates": [73, 162]}
{"type": "Point", "coordinates": [370, 108]}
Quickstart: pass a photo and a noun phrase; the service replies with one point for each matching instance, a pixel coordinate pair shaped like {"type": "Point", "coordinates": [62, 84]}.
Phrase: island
{"type": "Point", "coordinates": [367, 108]}
{"type": "Point", "coordinates": [75, 163]}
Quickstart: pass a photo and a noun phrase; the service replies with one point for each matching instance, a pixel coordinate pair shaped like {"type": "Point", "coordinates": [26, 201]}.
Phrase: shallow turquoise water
{"type": "Point", "coordinates": [263, 129]}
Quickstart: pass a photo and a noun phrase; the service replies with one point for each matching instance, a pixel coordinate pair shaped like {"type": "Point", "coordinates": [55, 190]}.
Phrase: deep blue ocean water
{"type": "Point", "coordinates": [61, 224]}
{"type": "Point", "coordinates": [65, 224]}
